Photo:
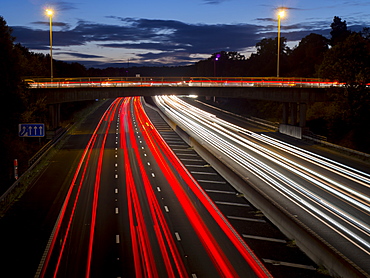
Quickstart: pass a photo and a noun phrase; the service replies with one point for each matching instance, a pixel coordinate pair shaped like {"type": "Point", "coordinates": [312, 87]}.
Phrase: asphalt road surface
{"type": "Point", "coordinates": [115, 202]}
{"type": "Point", "coordinates": [122, 205]}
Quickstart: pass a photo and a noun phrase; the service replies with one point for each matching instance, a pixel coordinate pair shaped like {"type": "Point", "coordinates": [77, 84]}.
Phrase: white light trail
{"type": "Point", "coordinates": [232, 141]}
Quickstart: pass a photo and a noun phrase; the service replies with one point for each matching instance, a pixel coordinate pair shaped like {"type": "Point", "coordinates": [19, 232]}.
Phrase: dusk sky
{"type": "Point", "coordinates": [103, 33]}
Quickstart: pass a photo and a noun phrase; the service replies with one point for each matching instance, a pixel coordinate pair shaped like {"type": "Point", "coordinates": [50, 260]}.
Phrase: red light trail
{"type": "Point", "coordinates": [141, 203]}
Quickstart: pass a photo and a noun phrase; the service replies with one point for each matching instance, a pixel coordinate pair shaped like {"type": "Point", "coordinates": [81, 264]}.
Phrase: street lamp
{"type": "Point", "coordinates": [50, 13]}
{"type": "Point", "coordinates": [217, 57]}
{"type": "Point", "coordinates": [281, 14]}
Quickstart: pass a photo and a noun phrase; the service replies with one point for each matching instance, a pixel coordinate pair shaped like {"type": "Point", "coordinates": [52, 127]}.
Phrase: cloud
{"type": "Point", "coordinates": [167, 42]}
{"type": "Point", "coordinates": [80, 55]}
{"type": "Point", "coordinates": [266, 19]}
{"type": "Point", "coordinates": [62, 5]}
{"type": "Point", "coordinates": [214, 2]}
{"type": "Point", "coordinates": [164, 35]}
{"type": "Point", "coordinates": [55, 24]}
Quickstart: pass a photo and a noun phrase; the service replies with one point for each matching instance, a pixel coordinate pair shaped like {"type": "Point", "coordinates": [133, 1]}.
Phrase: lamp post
{"type": "Point", "coordinates": [281, 14]}
{"type": "Point", "coordinates": [217, 57]}
{"type": "Point", "coordinates": [50, 13]}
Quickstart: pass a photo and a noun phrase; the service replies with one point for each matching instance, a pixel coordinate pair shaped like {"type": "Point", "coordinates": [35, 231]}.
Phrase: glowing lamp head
{"type": "Point", "coordinates": [49, 12]}
{"type": "Point", "coordinates": [281, 13]}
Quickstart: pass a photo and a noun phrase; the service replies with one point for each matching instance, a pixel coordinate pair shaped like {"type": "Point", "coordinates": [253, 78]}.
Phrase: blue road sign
{"type": "Point", "coordinates": [31, 130]}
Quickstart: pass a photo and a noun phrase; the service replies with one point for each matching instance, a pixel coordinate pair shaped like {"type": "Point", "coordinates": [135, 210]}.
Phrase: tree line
{"type": "Point", "coordinates": [344, 57]}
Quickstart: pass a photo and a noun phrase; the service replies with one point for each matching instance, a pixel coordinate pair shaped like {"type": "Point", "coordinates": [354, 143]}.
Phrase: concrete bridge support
{"type": "Point", "coordinates": [293, 109]}
{"type": "Point", "coordinates": [54, 112]}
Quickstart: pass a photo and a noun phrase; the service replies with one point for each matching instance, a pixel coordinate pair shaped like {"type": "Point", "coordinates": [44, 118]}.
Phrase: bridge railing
{"type": "Point", "coordinates": [178, 82]}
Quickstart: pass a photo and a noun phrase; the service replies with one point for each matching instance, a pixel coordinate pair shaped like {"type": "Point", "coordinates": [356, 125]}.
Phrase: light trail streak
{"type": "Point", "coordinates": [209, 243]}
{"type": "Point", "coordinates": [161, 228]}
{"type": "Point", "coordinates": [85, 158]}
{"type": "Point", "coordinates": [142, 252]}
{"type": "Point", "coordinates": [97, 187]}
{"type": "Point", "coordinates": [219, 134]}
{"type": "Point", "coordinates": [150, 135]}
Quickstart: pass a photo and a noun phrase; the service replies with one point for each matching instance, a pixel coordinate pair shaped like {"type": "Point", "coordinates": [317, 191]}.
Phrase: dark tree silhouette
{"type": "Point", "coordinates": [338, 30]}
{"type": "Point", "coordinates": [308, 55]}
{"type": "Point", "coordinates": [222, 63]}
{"type": "Point", "coordinates": [263, 63]}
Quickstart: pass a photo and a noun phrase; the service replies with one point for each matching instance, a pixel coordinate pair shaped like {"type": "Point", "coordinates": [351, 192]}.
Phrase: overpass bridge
{"type": "Point", "coordinates": [294, 93]}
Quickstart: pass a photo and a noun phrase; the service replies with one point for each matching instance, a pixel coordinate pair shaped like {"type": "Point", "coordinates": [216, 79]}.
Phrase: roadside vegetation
{"type": "Point", "coordinates": [344, 57]}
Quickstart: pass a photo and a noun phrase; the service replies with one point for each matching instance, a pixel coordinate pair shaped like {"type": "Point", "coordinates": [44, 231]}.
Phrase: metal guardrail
{"type": "Point", "coordinates": [59, 133]}
{"type": "Point", "coordinates": [20, 185]}
{"type": "Point", "coordinates": [47, 83]}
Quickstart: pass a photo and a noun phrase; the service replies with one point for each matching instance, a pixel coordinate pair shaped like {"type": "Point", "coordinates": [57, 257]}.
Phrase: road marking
{"type": "Point", "coordinates": [116, 165]}
{"type": "Point", "coordinates": [116, 149]}
{"type": "Point", "coordinates": [117, 238]}
{"type": "Point", "coordinates": [159, 189]}
{"type": "Point", "coordinates": [153, 175]}
{"type": "Point", "coordinates": [187, 154]}
{"type": "Point", "coordinates": [166, 209]}
{"type": "Point", "coordinates": [196, 166]}
{"type": "Point", "coordinates": [232, 204]}
{"type": "Point", "coordinates": [190, 159]}
{"type": "Point", "coordinates": [116, 156]}
{"type": "Point", "coordinates": [246, 219]}
{"type": "Point", "coordinates": [116, 176]}
{"type": "Point", "coordinates": [220, 191]}
{"type": "Point", "coordinates": [142, 148]}
{"type": "Point", "coordinates": [144, 154]}
{"type": "Point", "coordinates": [116, 210]}
{"type": "Point", "coordinates": [177, 236]}
{"type": "Point", "coordinates": [209, 181]}
{"type": "Point", "coordinates": [193, 275]}
{"type": "Point", "coordinates": [204, 173]}
{"type": "Point", "coordinates": [116, 142]}
{"type": "Point", "coordinates": [148, 163]}
{"type": "Point", "coordinates": [116, 190]}
{"type": "Point", "coordinates": [289, 264]}
{"type": "Point", "coordinates": [265, 238]}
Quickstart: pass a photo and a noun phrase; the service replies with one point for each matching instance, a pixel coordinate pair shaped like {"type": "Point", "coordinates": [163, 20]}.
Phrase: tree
{"type": "Point", "coordinates": [10, 78]}
{"type": "Point", "coordinates": [348, 62]}
{"type": "Point", "coordinates": [308, 55]}
{"type": "Point", "coordinates": [366, 33]}
{"type": "Point", "coordinates": [11, 104]}
{"type": "Point", "coordinates": [338, 31]}
{"type": "Point", "coordinates": [222, 63]}
{"type": "Point", "coordinates": [263, 63]}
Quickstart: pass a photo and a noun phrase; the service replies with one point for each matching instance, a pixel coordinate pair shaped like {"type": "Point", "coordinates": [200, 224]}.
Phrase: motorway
{"type": "Point", "coordinates": [331, 198]}
{"type": "Point", "coordinates": [131, 205]}
{"type": "Point", "coordinates": [116, 202]}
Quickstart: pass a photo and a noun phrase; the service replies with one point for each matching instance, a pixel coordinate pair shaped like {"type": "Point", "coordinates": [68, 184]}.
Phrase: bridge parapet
{"type": "Point", "coordinates": [109, 82]}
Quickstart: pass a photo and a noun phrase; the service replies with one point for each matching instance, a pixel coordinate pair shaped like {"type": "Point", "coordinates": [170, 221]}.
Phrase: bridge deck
{"type": "Point", "coordinates": [109, 82]}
